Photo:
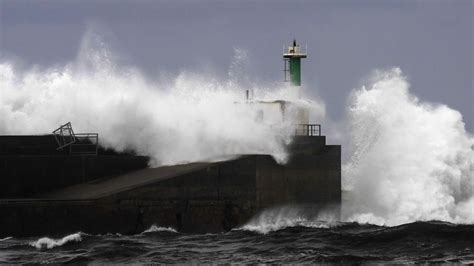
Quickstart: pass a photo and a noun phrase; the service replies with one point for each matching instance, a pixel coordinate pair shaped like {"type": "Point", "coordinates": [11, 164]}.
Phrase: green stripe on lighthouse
{"type": "Point", "coordinates": [295, 71]}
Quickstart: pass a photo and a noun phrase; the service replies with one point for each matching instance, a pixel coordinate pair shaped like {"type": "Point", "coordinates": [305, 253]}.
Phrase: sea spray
{"type": "Point", "coordinates": [411, 160]}
{"type": "Point", "coordinates": [191, 118]}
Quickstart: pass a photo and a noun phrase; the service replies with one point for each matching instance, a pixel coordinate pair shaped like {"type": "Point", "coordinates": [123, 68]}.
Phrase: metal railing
{"type": "Point", "coordinates": [64, 136]}
{"type": "Point", "coordinates": [310, 130]}
{"type": "Point", "coordinates": [78, 143]}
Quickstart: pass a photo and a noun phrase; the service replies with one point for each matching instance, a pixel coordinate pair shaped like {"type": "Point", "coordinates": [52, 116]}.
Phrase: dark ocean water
{"type": "Point", "coordinates": [340, 242]}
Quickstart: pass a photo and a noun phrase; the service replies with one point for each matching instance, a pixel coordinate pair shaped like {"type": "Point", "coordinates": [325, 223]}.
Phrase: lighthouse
{"type": "Point", "coordinates": [292, 63]}
{"type": "Point", "coordinates": [292, 108]}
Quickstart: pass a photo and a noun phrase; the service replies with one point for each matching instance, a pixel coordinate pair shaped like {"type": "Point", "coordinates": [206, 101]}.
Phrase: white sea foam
{"type": "Point", "coordinates": [411, 160]}
{"type": "Point", "coordinates": [49, 243]}
{"type": "Point", "coordinates": [279, 218]}
{"type": "Point", "coordinates": [155, 228]}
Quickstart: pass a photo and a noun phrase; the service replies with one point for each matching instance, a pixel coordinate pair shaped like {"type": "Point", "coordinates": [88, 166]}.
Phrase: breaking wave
{"type": "Point", "coordinates": [411, 160]}
{"type": "Point", "coordinates": [265, 226]}
{"type": "Point", "coordinates": [190, 117]}
{"type": "Point", "coordinates": [49, 243]}
{"type": "Point", "coordinates": [346, 243]}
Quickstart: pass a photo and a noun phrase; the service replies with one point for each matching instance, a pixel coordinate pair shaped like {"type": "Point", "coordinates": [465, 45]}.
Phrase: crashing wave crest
{"type": "Point", "coordinates": [411, 160]}
{"type": "Point", "coordinates": [49, 243]}
{"type": "Point", "coordinates": [279, 218]}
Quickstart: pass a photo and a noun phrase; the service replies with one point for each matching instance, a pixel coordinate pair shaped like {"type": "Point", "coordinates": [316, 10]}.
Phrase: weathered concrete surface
{"type": "Point", "coordinates": [31, 164]}
{"type": "Point", "coordinates": [109, 186]}
{"type": "Point", "coordinates": [197, 197]}
{"type": "Point", "coordinates": [305, 179]}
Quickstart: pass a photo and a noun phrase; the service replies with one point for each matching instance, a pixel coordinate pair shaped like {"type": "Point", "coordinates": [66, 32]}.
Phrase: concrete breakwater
{"type": "Point", "coordinates": [193, 197]}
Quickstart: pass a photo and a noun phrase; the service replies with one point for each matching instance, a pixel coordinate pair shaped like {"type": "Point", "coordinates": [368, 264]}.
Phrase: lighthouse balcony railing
{"type": "Point", "coordinates": [310, 130]}
{"type": "Point", "coordinates": [300, 49]}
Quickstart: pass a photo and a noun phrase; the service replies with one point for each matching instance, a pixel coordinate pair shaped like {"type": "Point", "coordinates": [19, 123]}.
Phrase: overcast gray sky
{"type": "Point", "coordinates": [431, 41]}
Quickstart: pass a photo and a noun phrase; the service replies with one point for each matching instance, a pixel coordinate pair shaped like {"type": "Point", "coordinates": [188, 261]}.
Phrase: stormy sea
{"type": "Point", "coordinates": [418, 242]}
{"type": "Point", "coordinates": [408, 163]}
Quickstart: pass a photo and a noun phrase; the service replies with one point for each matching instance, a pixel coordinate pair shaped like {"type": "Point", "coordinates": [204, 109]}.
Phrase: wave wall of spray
{"type": "Point", "coordinates": [194, 117]}
{"type": "Point", "coordinates": [410, 161]}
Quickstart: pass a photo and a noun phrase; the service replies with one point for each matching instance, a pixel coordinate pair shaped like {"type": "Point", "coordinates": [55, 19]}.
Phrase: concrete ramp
{"type": "Point", "coordinates": [108, 186]}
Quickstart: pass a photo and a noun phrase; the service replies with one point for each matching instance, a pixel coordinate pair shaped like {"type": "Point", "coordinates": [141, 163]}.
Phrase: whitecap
{"type": "Point", "coordinates": [272, 226]}
{"type": "Point", "coordinates": [155, 228]}
{"type": "Point", "coordinates": [49, 243]}
{"type": "Point", "coordinates": [279, 218]}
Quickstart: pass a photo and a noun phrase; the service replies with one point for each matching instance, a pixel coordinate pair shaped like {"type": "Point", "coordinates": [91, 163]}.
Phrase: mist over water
{"type": "Point", "coordinates": [409, 160]}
